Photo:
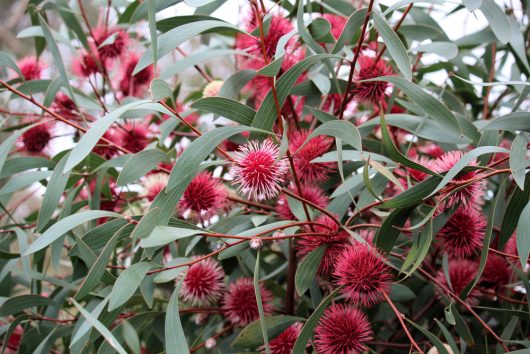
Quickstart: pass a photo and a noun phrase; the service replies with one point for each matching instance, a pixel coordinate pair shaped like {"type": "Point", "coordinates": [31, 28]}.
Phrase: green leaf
{"type": "Point", "coordinates": [85, 325]}
{"type": "Point", "coordinates": [472, 5]}
{"type": "Point", "coordinates": [109, 337]}
{"type": "Point", "coordinates": [446, 50]}
{"type": "Point", "coordinates": [161, 90]}
{"type": "Point", "coordinates": [394, 45]}
{"type": "Point", "coordinates": [432, 338]}
{"type": "Point", "coordinates": [512, 122]}
{"type": "Point", "coordinates": [7, 61]}
{"type": "Point", "coordinates": [497, 19]}
{"type": "Point", "coordinates": [251, 335]}
{"type": "Point", "coordinates": [139, 164]}
{"type": "Point", "coordinates": [413, 195]}
{"type": "Point", "coordinates": [19, 303]}
{"type": "Point", "coordinates": [273, 68]}
{"type": "Point", "coordinates": [171, 274]}
{"type": "Point", "coordinates": [24, 180]}
{"type": "Point", "coordinates": [307, 270]}
{"type": "Point", "coordinates": [174, 334]}
{"type": "Point", "coordinates": [162, 235]}
{"type": "Point", "coordinates": [354, 22]}
{"type": "Point", "coordinates": [167, 42]}
{"type": "Point", "coordinates": [400, 292]}
{"type": "Point", "coordinates": [341, 129]}
{"type": "Point", "coordinates": [151, 16]}
{"type": "Point", "coordinates": [226, 107]}
{"type": "Point", "coordinates": [259, 302]}
{"type": "Point", "coordinates": [518, 160]}
{"type": "Point", "coordinates": [53, 193]}
{"type": "Point", "coordinates": [141, 11]}
{"type": "Point", "coordinates": [127, 283]}
{"type": "Point", "coordinates": [387, 235]}
{"type": "Point", "coordinates": [64, 225]}
{"type": "Point", "coordinates": [311, 323]}
{"type": "Point", "coordinates": [513, 212]}
{"type": "Point", "coordinates": [233, 85]}
{"type": "Point", "coordinates": [92, 136]}
{"type": "Point", "coordinates": [523, 235]}
{"type": "Point", "coordinates": [8, 143]}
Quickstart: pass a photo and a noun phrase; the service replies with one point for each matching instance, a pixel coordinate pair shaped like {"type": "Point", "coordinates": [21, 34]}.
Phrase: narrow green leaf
{"type": "Point", "coordinates": [196, 58]}
{"type": "Point", "coordinates": [432, 338]}
{"type": "Point", "coordinates": [259, 302]}
{"type": "Point", "coordinates": [139, 164]}
{"type": "Point", "coordinates": [19, 303]}
{"type": "Point", "coordinates": [513, 212]}
{"type": "Point", "coordinates": [497, 19]}
{"type": "Point", "coordinates": [8, 143]}
{"type": "Point", "coordinates": [387, 235]}
{"type": "Point", "coordinates": [341, 129]}
{"type": "Point", "coordinates": [151, 16]}
{"type": "Point", "coordinates": [354, 23]}
{"type": "Point", "coordinates": [24, 180]}
{"type": "Point", "coordinates": [518, 159]}
{"type": "Point", "coordinates": [86, 325]}
{"type": "Point", "coordinates": [251, 336]}
{"type": "Point", "coordinates": [162, 235]}
{"type": "Point", "coordinates": [127, 283]}
{"type": "Point", "coordinates": [174, 334]}
{"type": "Point", "coordinates": [226, 107]}
{"type": "Point", "coordinates": [160, 90]}
{"type": "Point", "coordinates": [7, 61]}
{"type": "Point", "coordinates": [446, 50]}
{"type": "Point", "coordinates": [307, 270]}
{"type": "Point", "coordinates": [523, 235]}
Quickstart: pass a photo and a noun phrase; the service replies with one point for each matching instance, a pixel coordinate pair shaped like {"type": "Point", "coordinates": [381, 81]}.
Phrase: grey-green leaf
{"type": "Point", "coordinates": [127, 283]}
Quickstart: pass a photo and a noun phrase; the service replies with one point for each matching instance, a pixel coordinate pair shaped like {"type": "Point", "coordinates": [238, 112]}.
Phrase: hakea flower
{"type": "Point", "coordinates": [212, 88]}
{"type": "Point", "coordinates": [116, 38]}
{"type": "Point", "coordinates": [134, 85]}
{"type": "Point", "coordinates": [258, 171]}
{"type": "Point", "coordinates": [330, 235]}
{"type": "Point", "coordinates": [461, 273]}
{"type": "Point", "coordinates": [367, 235]}
{"type": "Point", "coordinates": [337, 24]}
{"type": "Point", "coordinates": [497, 272]}
{"type": "Point", "coordinates": [240, 305]}
{"type": "Point", "coordinates": [154, 183]}
{"type": "Point", "coordinates": [64, 106]}
{"type": "Point", "coordinates": [133, 137]}
{"type": "Point", "coordinates": [36, 139]}
{"type": "Point", "coordinates": [203, 284]}
{"type": "Point", "coordinates": [103, 148]}
{"type": "Point", "coordinates": [431, 149]}
{"type": "Point", "coordinates": [284, 342]}
{"type": "Point", "coordinates": [420, 175]}
{"type": "Point", "coordinates": [14, 340]}
{"type": "Point", "coordinates": [342, 329]}
{"type": "Point", "coordinates": [363, 274]}
{"type": "Point", "coordinates": [472, 194]}
{"type": "Point", "coordinates": [462, 234]}
{"type": "Point", "coordinates": [31, 68]}
{"type": "Point", "coordinates": [204, 197]}
{"type": "Point", "coordinates": [376, 91]}
{"type": "Point", "coordinates": [311, 193]}
{"type": "Point", "coordinates": [316, 147]}
{"type": "Point", "coordinates": [86, 64]}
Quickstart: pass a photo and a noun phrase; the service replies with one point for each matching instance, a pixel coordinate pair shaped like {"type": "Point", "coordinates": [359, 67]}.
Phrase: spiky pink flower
{"type": "Point", "coordinates": [342, 329]}
{"type": "Point", "coordinates": [461, 273]}
{"type": "Point", "coordinates": [240, 305]}
{"type": "Point", "coordinates": [116, 38]}
{"type": "Point", "coordinates": [363, 274]}
{"type": "Point", "coordinates": [497, 271]}
{"type": "Point", "coordinates": [103, 148]}
{"type": "Point", "coordinates": [420, 175]}
{"type": "Point", "coordinates": [472, 194]}
{"type": "Point", "coordinates": [337, 24]}
{"type": "Point", "coordinates": [316, 147]}
{"type": "Point", "coordinates": [284, 342]}
{"type": "Point", "coordinates": [133, 137]}
{"type": "Point", "coordinates": [375, 91]}
{"type": "Point", "coordinates": [462, 234]}
{"type": "Point", "coordinates": [432, 149]}
{"type": "Point", "coordinates": [154, 183]}
{"type": "Point", "coordinates": [204, 197]}
{"type": "Point", "coordinates": [64, 106]}
{"type": "Point", "coordinates": [203, 283]}
{"type": "Point", "coordinates": [31, 68]}
{"type": "Point", "coordinates": [311, 193]}
{"type": "Point", "coordinates": [328, 234]}
{"type": "Point", "coordinates": [257, 170]}
{"type": "Point", "coordinates": [134, 85]}
{"type": "Point", "coordinates": [86, 64]}
{"type": "Point", "coordinates": [36, 139]}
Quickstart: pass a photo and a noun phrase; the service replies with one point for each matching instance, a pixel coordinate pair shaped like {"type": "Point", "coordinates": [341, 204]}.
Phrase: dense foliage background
{"type": "Point", "coordinates": [334, 176]}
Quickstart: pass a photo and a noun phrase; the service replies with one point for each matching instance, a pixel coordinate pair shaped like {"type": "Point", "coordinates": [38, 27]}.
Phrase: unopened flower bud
{"type": "Point", "coordinates": [200, 318]}
{"type": "Point", "coordinates": [256, 243]}
{"type": "Point", "coordinates": [212, 89]}
{"type": "Point", "coordinates": [210, 343]}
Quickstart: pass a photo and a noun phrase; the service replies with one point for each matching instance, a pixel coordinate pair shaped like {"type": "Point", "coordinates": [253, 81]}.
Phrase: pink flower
{"type": "Point", "coordinates": [154, 183]}
{"type": "Point", "coordinates": [257, 170]}
{"type": "Point", "coordinates": [284, 342]}
{"type": "Point", "coordinates": [363, 275]}
{"type": "Point", "coordinates": [329, 235]}
{"type": "Point", "coordinates": [133, 137]}
{"type": "Point", "coordinates": [337, 24]}
{"type": "Point", "coordinates": [375, 91]}
{"type": "Point", "coordinates": [461, 273]}
{"type": "Point", "coordinates": [432, 149]}
{"type": "Point", "coordinates": [203, 283]}
{"type": "Point", "coordinates": [36, 139]}
{"type": "Point", "coordinates": [134, 85]}
{"type": "Point", "coordinates": [497, 271]}
{"type": "Point", "coordinates": [342, 329]}
{"type": "Point", "coordinates": [311, 193]}
{"type": "Point", "coordinates": [103, 148]}
{"type": "Point", "coordinates": [31, 68]}
{"type": "Point", "coordinates": [240, 305]}
{"type": "Point", "coordinates": [64, 106]}
{"type": "Point", "coordinates": [472, 194]}
{"type": "Point", "coordinates": [86, 64]}
{"type": "Point", "coordinates": [420, 175]}
{"type": "Point", "coordinates": [462, 234]}
{"type": "Point", "coordinates": [316, 147]}
{"type": "Point", "coordinates": [118, 42]}
{"type": "Point", "coordinates": [203, 197]}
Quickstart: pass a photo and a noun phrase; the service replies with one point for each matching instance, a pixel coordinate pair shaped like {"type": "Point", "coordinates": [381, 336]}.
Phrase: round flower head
{"type": "Point", "coordinates": [461, 273]}
{"type": "Point", "coordinates": [363, 274]}
{"type": "Point", "coordinates": [133, 137]}
{"type": "Point", "coordinates": [472, 194]}
{"type": "Point", "coordinates": [134, 85]}
{"type": "Point", "coordinates": [31, 68]}
{"type": "Point", "coordinates": [154, 183]}
{"type": "Point", "coordinates": [284, 342]}
{"type": "Point", "coordinates": [203, 283]}
{"type": "Point", "coordinates": [204, 196]}
{"type": "Point", "coordinates": [256, 170]}
{"type": "Point", "coordinates": [103, 148]}
{"type": "Point", "coordinates": [111, 42]}
{"type": "Point", "coordinates": [375, 91]}
{"type": "Point", "coordinates": [36, 139]}
{"type": "Point", "coordinates": [342, 329]}
{"type": "Point", "coordinates": [497, 271]}
{"type": "Point", "coordinates": [239, 303]}
{"type": "Point", "coordinates": [317, 146]}
{"type": "Point", "coordinates": [86, 65]}
{"type": "Point", "coordinates": [212, 88]}
{"type": "Point", "coordinates": [311, 193]}
{"type": "Point", "coordinates": [63, 105]}
{"type": "Point", "coordinates": [337, 24]}
{"type": "Point", "coordinates": [329, 235]}
{"type": "Point", "coordinates": [462, 234]}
